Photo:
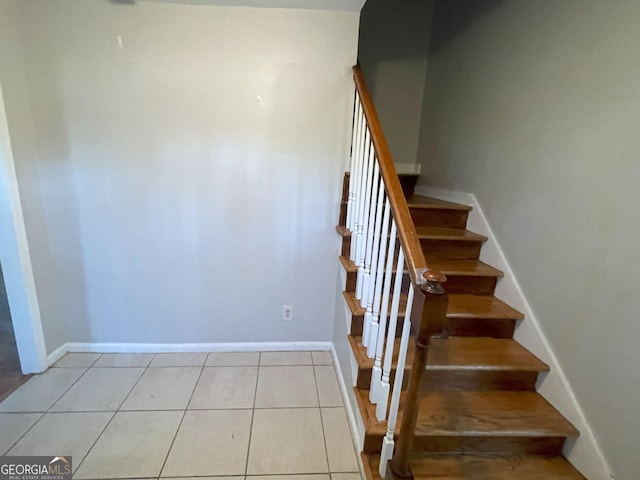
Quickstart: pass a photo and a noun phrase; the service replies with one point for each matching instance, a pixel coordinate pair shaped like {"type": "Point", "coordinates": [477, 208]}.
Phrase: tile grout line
{"type": "Point", "coordinates": [324, 434]}
{"type": "Point", "coordinates": [184, 413]}
{"type": "Point", "coordinates": [50, 407]}
{"type": "Point", "coordinates": [253, 414]}
{"type": "Point", "coordinates": [112, 416]}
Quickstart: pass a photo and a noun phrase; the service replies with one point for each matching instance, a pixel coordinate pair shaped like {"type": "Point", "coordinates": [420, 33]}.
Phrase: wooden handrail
{"type": "Point", "coordinates": [430, 300]}
{"type": "Point", "coordinates": [416, 263]}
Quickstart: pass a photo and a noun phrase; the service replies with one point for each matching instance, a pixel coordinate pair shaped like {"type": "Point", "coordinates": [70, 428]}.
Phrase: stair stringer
{"type": "Point", "coordinates": [584, 452]}
{"type": "Point", "coordinates": [346, 365]}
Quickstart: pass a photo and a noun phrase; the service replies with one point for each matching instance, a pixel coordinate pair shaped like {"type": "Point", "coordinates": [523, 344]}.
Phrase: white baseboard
{"type": "Point", "coordinates": [585, 453]}
{"type": "Point", "coordinates": [408, 168]}
{"type": "Point", "coordinates": [57, 354]}
{"type": "Point", "coordinates": [186, 347]}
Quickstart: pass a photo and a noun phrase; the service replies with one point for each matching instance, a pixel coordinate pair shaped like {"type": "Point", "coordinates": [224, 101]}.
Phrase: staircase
{"type": "Point", "coordinates": [469, 409]}
{"type": "Point", "coordinates": [479, 416]}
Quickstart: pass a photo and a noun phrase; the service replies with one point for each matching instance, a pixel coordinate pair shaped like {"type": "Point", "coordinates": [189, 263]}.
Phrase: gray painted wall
{"type": "Point", "coordinates": [393, 50]}
{"type": "Point", "coordinates": [184, 185]}
{"type": "Point", "coordinates": [534, 107]}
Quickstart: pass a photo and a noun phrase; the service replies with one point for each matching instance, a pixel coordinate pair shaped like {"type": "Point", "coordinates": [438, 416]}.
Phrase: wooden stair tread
{"type": "Point", "coordinates": [457, 353]}
{"type": "Point", "coordinates": [460, 306]}
{"type": "Point", "coordinates": [482, 467]}
{"type": "Point", "coordinates": [452, 266]}
{"type": "Point", "coordinates": [448, 266]}
{"type": "Point", "coordinates": [420, 201]}
{"type": "Point", "coordinates": [478, 414]}
{"type": "Point", "coordinates": [480, 306]}
{"type": "Point", "coordinates": [445, 233]}
{"type": "Point", "coordinates": [433, 233]}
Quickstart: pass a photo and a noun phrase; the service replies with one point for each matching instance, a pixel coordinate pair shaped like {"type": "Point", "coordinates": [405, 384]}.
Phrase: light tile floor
{"type": "Point", "coordinates": [259, 416]}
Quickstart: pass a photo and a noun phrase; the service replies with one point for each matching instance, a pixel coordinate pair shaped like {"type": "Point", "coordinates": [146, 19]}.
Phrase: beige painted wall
{"type": "Point", "coordinates": [393, 49]}
{"type": "Point", "coordinates": [184, 185]}
{"type": "Point", "coordinates": [535, 108]}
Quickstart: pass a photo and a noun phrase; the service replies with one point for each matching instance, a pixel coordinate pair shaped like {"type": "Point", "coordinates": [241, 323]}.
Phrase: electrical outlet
{"type": "Point", "coordinates": [287, 312]}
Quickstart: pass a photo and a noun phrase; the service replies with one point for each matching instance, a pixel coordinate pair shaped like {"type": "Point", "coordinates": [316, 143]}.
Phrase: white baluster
{"type": "Point", "coordinates": [368, 278]}
{"type": "Point", "coordinates": [387, 442]}
{"type": "Point", "coordinates": [373, 260]}
{"type": "Point", "coordinates": [377, 390]}
{"type": "Point", "coordinates": [378, 323]}
{"type": "Point", "coordinates": [352, 160]}
{"type": "Point", "coordinates": [357, 182]}
{"type": "Point", "coordinates": [383, 398]}
{"type": "Point", "coordinates": [365, 200]}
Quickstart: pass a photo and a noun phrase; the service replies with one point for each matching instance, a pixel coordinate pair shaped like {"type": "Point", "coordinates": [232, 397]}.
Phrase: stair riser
{"type": "Point", "coordinates": [458, 249]}
{"type": "Point", "coordinates": [470, 284]}
{"type": "Point", "coordinates": [479, 381]}
{"type": "Point", "coordinates": [436, 217]}
{"type": "Point", "coordinates": [358, 320]}
{"type": "Point", "coordinates": [462, 380]}
{"type": "Point", "coordinates": [479, 444]}
{"type": "Point", "coordinates": [455, 327]}
{"type": "Point", "coordinates": [350, 284]}
{"type": "Point", "coordinates": [346, 247]}
{"type": "Point", "coordinates": [342, 218]}
{"type": "Point", "coordinates": [352, 278]}
{"type": "Point", "coordinates": [493, 445]}
{"type": "Point", "coordinates": [473, 327]}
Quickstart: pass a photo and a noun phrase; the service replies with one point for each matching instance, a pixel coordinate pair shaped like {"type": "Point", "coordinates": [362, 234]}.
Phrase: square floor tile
{"type": "Point", "coordinates": [41, 391]}
{"type": "Point", "coordinates": [233, 359]}
{"type": "Point", "coordinates": [322, 358]}
{"type": "Point", "coordinates": [328, 389]}
{"type": "Point", "coordinates": [289, 477]}
{"type": "Point", "coordinates": [71, 433]}
{"type": "Point", "coordinates": [77, 360]}
{"type": "Point", "coordinates": [134, 445]}
{"type": "Point", "coordinates": [212, 478]}
{"type": "Point", "coordinates": [225, 387]}
{"type": "Point", "coordinates": [124, 360]}
{"type": "Point", "coordinates": [213, 442]}
{"type": "Point", "coordinates": [179, 360]}
{"type": "Point", "coordinates": [13, 426]}
{"type": "Point", "coordinates": [168, 388]}
{"type": "Point", "coordinates": [287, 441]}
{"type": "Point", "coordinates": [286, 387]}
{"type": "Point", "coordinates": [340, 449]}
{"type": "Point", "coordinates": [286, 358]}
{"type": "Point", "coordinates": [99, 390]}
{"type": "Point", "coordinates": [346, 476]}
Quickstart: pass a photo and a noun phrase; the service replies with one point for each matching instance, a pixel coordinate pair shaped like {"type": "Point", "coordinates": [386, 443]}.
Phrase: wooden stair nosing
{"type": "Point", "coordinates": [343, 231]}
